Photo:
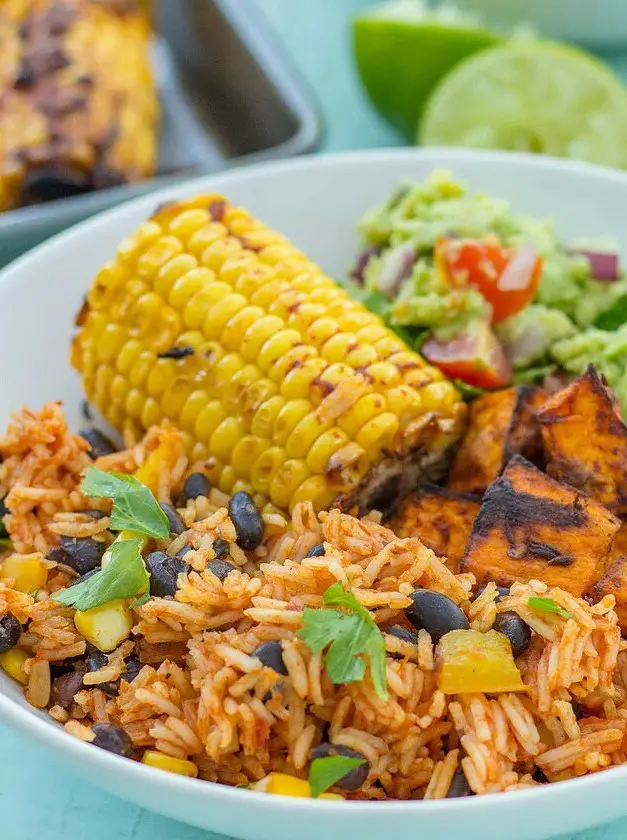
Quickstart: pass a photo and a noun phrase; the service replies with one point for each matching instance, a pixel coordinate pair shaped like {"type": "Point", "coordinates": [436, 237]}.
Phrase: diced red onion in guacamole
{"type": "Point", "coordinates": [359, 271]}
{"type": "Point", "coordinates": [517, 273]}
{"type": "Point", "coordinates": [603, 264]}
{"type": "Point", "coordinates": [397, 265]}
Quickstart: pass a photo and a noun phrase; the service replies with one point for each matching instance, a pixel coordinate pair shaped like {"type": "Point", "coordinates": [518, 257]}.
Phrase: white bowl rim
{"type": "Point", "coordinates": [169, 783]}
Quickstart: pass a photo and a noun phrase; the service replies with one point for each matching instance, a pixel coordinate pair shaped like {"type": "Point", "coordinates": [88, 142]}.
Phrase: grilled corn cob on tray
{"type": "Point", "coordinates": [284, 386]}
{"type": "Point", "coordinates": [78, 109]}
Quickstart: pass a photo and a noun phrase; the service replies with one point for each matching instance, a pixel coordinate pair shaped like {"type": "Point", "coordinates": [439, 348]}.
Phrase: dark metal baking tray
{"type": "Point", "coordinates": [228, 97]}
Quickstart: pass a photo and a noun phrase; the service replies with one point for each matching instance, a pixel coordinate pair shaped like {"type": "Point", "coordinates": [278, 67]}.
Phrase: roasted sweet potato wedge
{"type": "Point", "coordinates": [614, 581]}
{"type": "Point", "coordinates": [530, 526]}
{"type": "Point", "coordinates": [500, 425]}
{"type": "Point", "coordinates": [585, 440]}
{"type": "Point", "coordinates": [442, 519]}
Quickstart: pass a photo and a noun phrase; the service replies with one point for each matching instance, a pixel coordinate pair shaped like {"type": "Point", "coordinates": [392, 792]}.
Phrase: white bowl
{"type": "Point", "coordinates": [316, 202]}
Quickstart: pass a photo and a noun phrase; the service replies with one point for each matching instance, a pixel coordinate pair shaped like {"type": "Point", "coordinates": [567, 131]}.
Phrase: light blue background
{"type": "Point", "coordinates": [38, 801]}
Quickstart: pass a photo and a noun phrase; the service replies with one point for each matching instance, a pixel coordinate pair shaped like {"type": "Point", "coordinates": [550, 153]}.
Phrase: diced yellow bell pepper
{"type": "Point", "coordinates": [166, 454]}
{"type": "Point", "coordinates": [12, 661]}
{"type": "Point", "coordinates": [29, 573]}
{"type": "Point", "coordinates": [287, 785]}
{"type": "Point", "coordinates": [105, 626]}
{"type": "Point", "coordinates": [154, 758]}
{"type": "Point", "coordinates": [468, 661]}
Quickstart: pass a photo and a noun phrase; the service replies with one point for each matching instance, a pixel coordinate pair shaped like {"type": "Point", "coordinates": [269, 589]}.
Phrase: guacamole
{"type": "Point", "coordinates": [441, 262]}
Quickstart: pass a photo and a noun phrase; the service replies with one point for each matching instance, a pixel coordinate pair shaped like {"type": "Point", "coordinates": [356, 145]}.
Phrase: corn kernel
{"type": "Point", "coordinates": [12, 661]}
{"type": "Point", "coordinates": [106, 626]}
{"type": "Point", "coordinates": [286, 785]}
{"type": "Point", "coordinates": [28, 572]}
{"type": "Point", "coordinates": [154, 758]}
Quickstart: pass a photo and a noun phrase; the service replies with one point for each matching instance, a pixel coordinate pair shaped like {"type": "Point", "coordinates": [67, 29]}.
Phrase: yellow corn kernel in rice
{"type": "Point", "coordinates": [105, 626]}
{"type": "Point", "coordinates": [471, 662]}
{"type": "Point", "coordinates": [286, 785]}
{"type": "Point", "coordinates": [161, 761]}
{"type": "Point", "coordinates": [266, 349]}
{"type": "Point", "coordinates": [28, 573]}
{"type": "Point", "coordinates": [12, 661]}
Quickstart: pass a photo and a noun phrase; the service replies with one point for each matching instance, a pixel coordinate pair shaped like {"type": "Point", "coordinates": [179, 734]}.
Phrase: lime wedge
{"type": "Point", "coordinates": [534, 97]}
{"type": "Point", "coordinates": [403, 50]}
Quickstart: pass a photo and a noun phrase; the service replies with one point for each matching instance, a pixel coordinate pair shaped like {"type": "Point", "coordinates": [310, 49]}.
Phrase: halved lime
{"type": "Point", "coordinates": [403, 50]}
{"type": "Point", "coordinates": [536, 97]}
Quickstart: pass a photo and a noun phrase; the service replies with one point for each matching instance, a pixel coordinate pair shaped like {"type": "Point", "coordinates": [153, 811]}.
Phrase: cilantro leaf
{"type": "Point", "coordinates": [615, 316]}
{"type": "Point", "coordinates": [134, 506]}
{"type": "Point", "coordinates": [124, 576]}
{"type": "Point", "coordinates": [325, 772]}
{"type": "Point", "coordinates": [548, 605]}
{"type": "Point", "coordinates": [349, 636]}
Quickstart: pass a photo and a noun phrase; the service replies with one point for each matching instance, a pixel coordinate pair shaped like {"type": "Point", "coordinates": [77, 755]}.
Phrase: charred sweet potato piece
{"type": "Point", "coordinates": [530, 526]}
{"type": "Point", "coordinates": [614, 581]}
{"type": "Point", "coordinates": [442, 519]}
{"type": "Point", "coordinates": [585, 440]}
{"type": "Point", "coordinates": [500, 425]}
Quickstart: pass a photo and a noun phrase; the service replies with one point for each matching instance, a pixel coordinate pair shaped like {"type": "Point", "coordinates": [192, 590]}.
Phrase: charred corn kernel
{"type": "Point", "coordinates": [106, 626]}
{"type": "Point", "coordinates": [286, 785]}
{"type": "Point", "coordinates": [28, 572]}
{"type": "Point", "coordinates": [108, 134]}
{"type": "Point", "coordinates": [293, 389]}
{"type": "Point", "coordinates": [469, 662]}
{"type": "Point", "coordinates": [161, 761]}
{"type": "Point", "coordinates": [12, 662]}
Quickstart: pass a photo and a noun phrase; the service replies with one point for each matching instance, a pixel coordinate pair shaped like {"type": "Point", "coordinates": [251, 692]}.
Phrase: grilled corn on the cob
{"type": "Point", "coordinates": [78, 108]}
{"type": "Point", "coordinates": [285, 386]}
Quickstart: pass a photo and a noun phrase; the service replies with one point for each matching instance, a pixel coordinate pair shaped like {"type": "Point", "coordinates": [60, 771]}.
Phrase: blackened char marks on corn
{"type": "Point", "coordinates": [180, 351]}
{"type": "Point", "coordinates": [217, 209]}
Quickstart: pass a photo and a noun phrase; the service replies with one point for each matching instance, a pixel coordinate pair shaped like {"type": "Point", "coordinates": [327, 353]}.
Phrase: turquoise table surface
{"type": "Point", "coordinates": [38, 800]}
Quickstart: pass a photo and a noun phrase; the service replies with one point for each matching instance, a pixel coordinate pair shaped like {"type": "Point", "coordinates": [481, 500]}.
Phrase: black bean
{"type": "Point", "coordinates": [164, 571]}
{"type": "Point", "coordinates": [459, 786]}
{"type": "Point", "coordinates": [195, 485]}
{"type": "Point", "coordinates": [10, 632]}
{"type": "Point", "coordinates": [435, 613]}
{"type": "Point", "coordinates": [3, 512]}
{"type": "Point", "coordinates": [65, 687]}
{"type": "Point", "coordinates": [183, 551]}
{"type": "Point", "coordinates": [133, 667]}
{"type": "Point", "coordinates": [402, 633]}
{"type": "Point", "coordinates": [247, 521]}
{"type": "Point", "coordinates": [501, 592]}
{"type": "Point", "coordinates": [355, 778]}
{"type": "Point", "coordinates": [96, 660]}
{"type": "Point", "coordinates": [539, 776]}
{"type": "Point", "coordinates": [316, 551]}
{"type": "Point", "coordinates": [271, 655]}
{"type": "Point", "coordinates": [84, 577]}
{"type": "Point", "coordinates": [81, 554]}
{"type": "Point", "coordinates": [220, 568]}
{"type": "Point", "coordinates": [221, 548]}
{"type": "Point", "coordinates": [517, 631]}
{"type": "Point", "coordinates": [113, 738]}
{"type": "Point", "coordinates": [177, 526]}
{"type": "Point", "coordinates": [99, 443]}
{"type": "Point", "coordinates": [95, 514]}
{"type": "Point", "coordinates": [578, 710]}
{"type": "Point", "coordinates": [61, 668]}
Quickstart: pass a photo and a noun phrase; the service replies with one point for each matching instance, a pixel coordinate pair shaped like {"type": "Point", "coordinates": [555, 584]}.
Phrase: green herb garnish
{"type": "Point", "coordinates": [124, 576]}
{"type": "Point", "coordinates": [468, 392]}
{"type": "Point", "coordinates": [134, 507]}
{"type": "Point", "coordinates": [349, 637]}
{"type": "Point", "coordinates": [325, 772]}
{"type": "Point", "coordinates": [548, 605]}
{"type": "Point", "coordinates": [614, 317]}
